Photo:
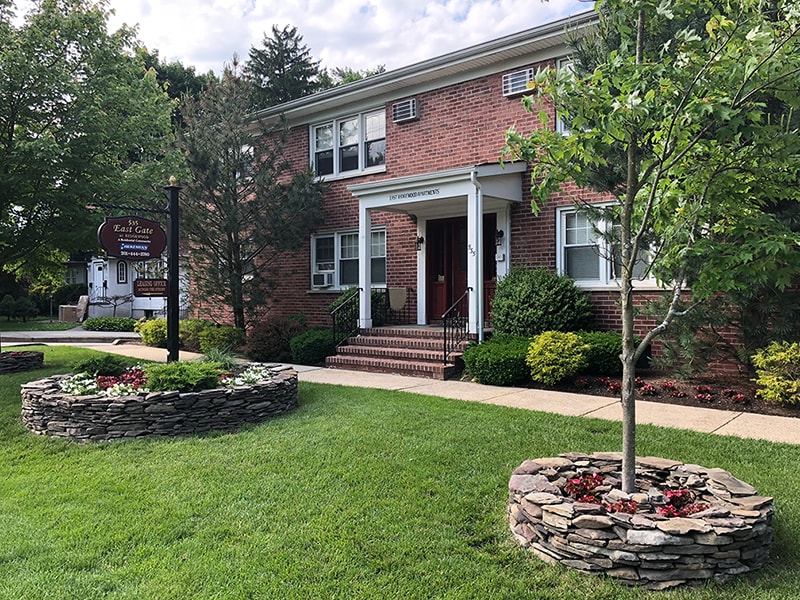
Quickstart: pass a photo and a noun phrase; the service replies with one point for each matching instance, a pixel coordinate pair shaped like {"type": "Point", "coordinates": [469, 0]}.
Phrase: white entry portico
{"type": "Point", "coordinates": [469, 191]}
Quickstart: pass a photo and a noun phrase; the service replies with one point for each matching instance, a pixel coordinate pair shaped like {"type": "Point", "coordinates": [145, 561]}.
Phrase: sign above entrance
{"type": "Point", "coordinates": [132, 237]}
{"type": "Point", "coordinates": [431, 193]}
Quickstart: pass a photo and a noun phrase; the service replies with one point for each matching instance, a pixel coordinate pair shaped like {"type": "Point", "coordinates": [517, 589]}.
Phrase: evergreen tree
{"type": "Point", "coordinates": [282, 70]}
{"type": "Point", "coordinates": [243, 208]}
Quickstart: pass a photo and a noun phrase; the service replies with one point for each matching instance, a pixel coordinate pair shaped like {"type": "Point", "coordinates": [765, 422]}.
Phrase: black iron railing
{"type": "Point", "coordinates": [345, 320]}
{"type": "Point", "coordinates": [393, 306]}
{"type": "Point", "coordinates": [456, 323]}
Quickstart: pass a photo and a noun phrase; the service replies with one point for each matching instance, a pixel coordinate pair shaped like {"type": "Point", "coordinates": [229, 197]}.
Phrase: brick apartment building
{"type": "Point", "coordinates": [417, 199]}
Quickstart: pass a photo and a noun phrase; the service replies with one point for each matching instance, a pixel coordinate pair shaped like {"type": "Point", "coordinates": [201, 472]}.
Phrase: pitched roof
{"type": "Point", "coordinates": [514, 50]}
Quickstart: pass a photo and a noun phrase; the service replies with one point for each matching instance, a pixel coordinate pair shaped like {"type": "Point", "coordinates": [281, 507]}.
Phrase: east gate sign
{"type": "Point", "coordinates": [132, 237]}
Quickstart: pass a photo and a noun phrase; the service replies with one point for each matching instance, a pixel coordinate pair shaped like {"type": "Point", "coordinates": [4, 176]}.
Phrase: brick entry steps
{"type": "Point", "coordinates": [416, 351]}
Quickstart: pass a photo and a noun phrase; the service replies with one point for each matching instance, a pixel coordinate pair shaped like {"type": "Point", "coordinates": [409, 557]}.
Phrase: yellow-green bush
{"type": "Point", "coordinates": [153, 332]}
{"type": "Point", "coordinates": [553, 356]}
{"type": "Point", "coordinates": [778, 372]}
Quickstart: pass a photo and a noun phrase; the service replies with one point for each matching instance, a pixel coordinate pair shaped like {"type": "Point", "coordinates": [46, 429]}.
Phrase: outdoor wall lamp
{"type": "Point", "coordinates": [419, 241]}
{"type": "Point", "coordinates": [498, 237]}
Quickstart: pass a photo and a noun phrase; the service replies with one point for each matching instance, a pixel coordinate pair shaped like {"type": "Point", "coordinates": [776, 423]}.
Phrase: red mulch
{"type": "Point", "coordinates": [725, 392]}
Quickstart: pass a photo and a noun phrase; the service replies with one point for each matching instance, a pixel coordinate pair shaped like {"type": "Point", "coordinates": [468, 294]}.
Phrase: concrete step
{"type": "Point", "coordinates": [423, 354]}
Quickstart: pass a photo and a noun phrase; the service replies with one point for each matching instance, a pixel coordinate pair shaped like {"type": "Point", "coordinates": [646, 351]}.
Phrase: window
{"type": "Point", "coordinates": [122, 272]}
{"type": "Point", "coordinates": [73, 275]}
{"type": "Point", "coordinates": [586, 250]}
{"type": "Point", "coordinates": [349, 145]}
{"type": "Point", "coordinates": [564, 64]}
{"type": "Point", "coordinates": [337, 254]}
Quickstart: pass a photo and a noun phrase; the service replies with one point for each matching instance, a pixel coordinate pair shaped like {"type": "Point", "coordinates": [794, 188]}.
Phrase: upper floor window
{"type": "Point", "coordinates": [588, 250]}
{"type": "Point", "coordinates": [349, 145]}
{"type": "Point", "coordinates": [564, 64]}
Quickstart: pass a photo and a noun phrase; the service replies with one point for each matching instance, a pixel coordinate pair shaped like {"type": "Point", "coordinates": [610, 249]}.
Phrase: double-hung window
{"type": "Point", "coordinates": [349, 145]}
{"type": "Point", "coordinates": [588, 250]}
{"type": "Point", "coordinates": [564, 64]}
{"type": "Point", "coordinates": [336, 255]}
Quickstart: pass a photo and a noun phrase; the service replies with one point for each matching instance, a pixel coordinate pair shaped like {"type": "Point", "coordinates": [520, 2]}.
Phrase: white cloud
{"type": "Point", "coordinates": [360, 34]}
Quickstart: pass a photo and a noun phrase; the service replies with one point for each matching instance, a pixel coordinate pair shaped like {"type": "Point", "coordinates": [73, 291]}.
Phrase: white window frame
{"type": "Point", "coordinates": [565, 63]}
{"type": "Point", "coordinates": [122, 272]}
{"type": "Point", "coordinates": [377, 249]}
{"type": "Point", "coordinates": [335, 126]}
{"type": "Point", "coordinates": [605, 254]}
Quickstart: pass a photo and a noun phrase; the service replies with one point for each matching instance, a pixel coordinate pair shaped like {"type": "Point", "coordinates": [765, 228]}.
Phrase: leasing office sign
{"type": "Point", "coordinates": [132, 237]}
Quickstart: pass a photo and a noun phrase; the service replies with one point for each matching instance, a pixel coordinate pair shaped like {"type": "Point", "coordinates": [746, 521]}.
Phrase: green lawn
{"type": "Point", "coordinates": [39, 324]}
{"type": "Point", "coordinates": [356, 494]}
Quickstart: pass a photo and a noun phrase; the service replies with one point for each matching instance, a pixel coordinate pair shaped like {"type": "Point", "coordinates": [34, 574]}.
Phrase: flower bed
{"type": "Point", "coordinates": [47, 410]}
{"type": "Point", "coordinates": [721, 526]}
{"type": "Point", "coordinates": [25, 360]}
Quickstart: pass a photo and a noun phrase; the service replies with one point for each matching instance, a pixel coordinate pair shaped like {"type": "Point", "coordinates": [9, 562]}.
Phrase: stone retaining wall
{"type": "Point", "coordinates": [731, 537]}
{"type": "Point", "coordinates": [24, 360]}
{"type": "Point", "coordinates": [48, 411]}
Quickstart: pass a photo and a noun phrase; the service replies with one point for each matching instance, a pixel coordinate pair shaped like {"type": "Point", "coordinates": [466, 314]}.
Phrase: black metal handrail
{"type": "Point", "coordinates": [345, 320]}
{"type": "Point", "coordinates": [456, 324]}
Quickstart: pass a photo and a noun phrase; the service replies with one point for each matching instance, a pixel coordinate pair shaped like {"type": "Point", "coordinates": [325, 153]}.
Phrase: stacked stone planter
{"type": "Point", "coordinates": [731, 537]}
{"type": "Point", "coordinates": [24, 360]}
{"type": "Point", "coordinates": [48, 411]}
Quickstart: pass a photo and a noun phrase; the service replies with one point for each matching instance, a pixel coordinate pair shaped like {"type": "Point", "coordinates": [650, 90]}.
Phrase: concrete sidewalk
{"type": "Point", "coordinates": [707, 420]}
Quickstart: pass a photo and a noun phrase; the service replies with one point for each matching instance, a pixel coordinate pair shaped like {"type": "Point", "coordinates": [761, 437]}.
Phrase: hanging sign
{"type": "Point", "coordinates": [132, 237]}
{"type": "Point", "coordinates": [150, 288]}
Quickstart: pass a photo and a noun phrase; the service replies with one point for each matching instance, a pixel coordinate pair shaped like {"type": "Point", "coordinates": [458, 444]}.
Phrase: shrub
{"type": "Point", "coordinates": [189, 333]}
{"type": "Point", "coordinates": [222, 359]}
{"type": "Point", "coordinates": [312, 346]}
{"type": "Point", "coordinates": [223, 337]}
{"type": "Point", "coordinates": [107, 364]}
{"type": "Point", "coordinates": [8, 307]}
{"type": "Point", "coordinates": [153, 332]}
{"type": "Point", "coordinates": [778, 372]}
{"type": "Point", "coordinates": [109, 324]}
{"type": "Point", "coordinates": [182, 376]}
{"type": "Point", "coordinates": [268, 341]}
{"type": "Point", "coordinates": [603, 352]}
{"type": "Point", "coordinates": [530, 301]}
{"type": "Point", "coordinates": [25, 308]}
{"type": "Point", "coordinates": [554, 356]}
{"type": "Point", "coordinates": [499, 360]}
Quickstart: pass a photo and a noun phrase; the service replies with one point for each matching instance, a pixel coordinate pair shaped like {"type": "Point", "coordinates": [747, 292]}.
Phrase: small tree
{"type": "Point", "coordinates": [683, 113]}
{"type": "Point", "coordinates": [242, 208]}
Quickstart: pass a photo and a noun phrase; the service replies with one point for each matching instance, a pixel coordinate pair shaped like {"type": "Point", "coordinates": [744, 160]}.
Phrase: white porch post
{"type": "Point", "coordinates": [364, 266]}
{"type": "Point", "coordinates": [475, 257]}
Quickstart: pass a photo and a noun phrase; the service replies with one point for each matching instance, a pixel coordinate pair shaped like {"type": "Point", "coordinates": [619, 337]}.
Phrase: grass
{"type": "Point", "coordinates": [358, 493]}
{"type": "Point", "coordinates": [38, 324]}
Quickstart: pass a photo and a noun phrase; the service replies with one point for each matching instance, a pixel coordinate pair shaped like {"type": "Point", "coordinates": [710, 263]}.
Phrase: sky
{"type": "Point", "coordinates": [361, 34]}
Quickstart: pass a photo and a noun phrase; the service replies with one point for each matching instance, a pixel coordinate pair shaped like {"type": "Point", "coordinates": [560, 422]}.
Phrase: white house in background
{"type": "Point", "coordinates": [111, 288]}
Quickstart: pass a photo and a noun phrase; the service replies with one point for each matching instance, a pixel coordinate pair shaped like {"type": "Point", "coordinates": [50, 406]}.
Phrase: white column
{"type": "Point", "coordinates": [364, 266]}
{"type": "Point", "coordinates": [475, 259]}
{"type": "Point", "coordinates": [422, 276]}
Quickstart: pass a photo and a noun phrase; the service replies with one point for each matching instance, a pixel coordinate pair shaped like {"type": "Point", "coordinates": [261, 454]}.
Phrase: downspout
{"type": "Point", "coordinates": [473, 177]}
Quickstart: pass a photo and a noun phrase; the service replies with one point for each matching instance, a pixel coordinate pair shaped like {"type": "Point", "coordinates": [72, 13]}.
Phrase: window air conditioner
{"type": "Point", "coordinates": [517, 82]}
{"type": "Point", "coordinates": [321, 280]}
{"type": "Point", "coordinates": [405, 110]}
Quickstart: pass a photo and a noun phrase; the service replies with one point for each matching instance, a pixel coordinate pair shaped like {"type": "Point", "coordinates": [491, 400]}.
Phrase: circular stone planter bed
{"type": "Point", "coordinates": [730, 536]}
{"type": "Point", "coordinates": [46, 410]}
{"type": "Point", "coordinates": [24, 360]}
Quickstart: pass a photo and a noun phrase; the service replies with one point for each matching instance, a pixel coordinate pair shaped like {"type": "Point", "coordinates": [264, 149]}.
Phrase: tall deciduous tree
{"type": "Point", "coordinates": [243, 207]}
{"type": "Point", "coordinates": [80, 119]}
{"type": "Point", "coordinates": [283, 69]}
{"type": "Point", "coordinates": [683, 112]}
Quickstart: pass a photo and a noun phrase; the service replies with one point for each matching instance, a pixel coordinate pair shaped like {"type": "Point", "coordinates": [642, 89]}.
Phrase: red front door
{"type": "Point", "coordinates": [446, 248]}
